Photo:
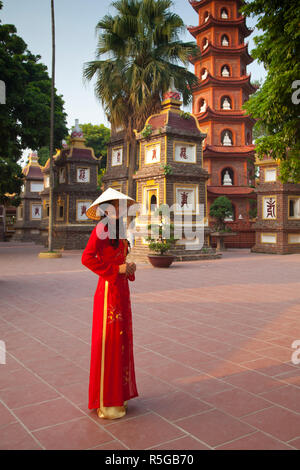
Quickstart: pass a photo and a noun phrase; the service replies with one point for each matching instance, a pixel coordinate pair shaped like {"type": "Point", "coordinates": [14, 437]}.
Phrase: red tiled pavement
{"type": "Point", "coordinates": [212, 353]}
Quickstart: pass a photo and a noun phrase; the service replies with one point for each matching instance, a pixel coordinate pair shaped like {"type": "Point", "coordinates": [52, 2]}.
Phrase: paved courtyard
{"type": "Point", "coordinates": [213, 354]}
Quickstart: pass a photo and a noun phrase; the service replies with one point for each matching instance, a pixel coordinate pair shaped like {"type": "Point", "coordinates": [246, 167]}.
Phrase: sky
{"type": "Point", "coordinates": [76, 43]}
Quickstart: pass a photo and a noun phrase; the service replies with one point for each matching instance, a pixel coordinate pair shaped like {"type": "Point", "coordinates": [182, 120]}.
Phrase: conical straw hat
{"type": "Point", "coordinates": [109, 195]}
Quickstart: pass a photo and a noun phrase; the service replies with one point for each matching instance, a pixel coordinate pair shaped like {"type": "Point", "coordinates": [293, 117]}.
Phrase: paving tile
{"type": "Point", "coordinates": [27, 395]}
{"type": "Point", "coordinates": [144, 431]}
{"type": "Point", "coordinates": [279, 422]}
{"type": "Point", "coordinates": [237, 402]}
{"type": "Point", "coordinates": [15, 437]}
{"type": "Point", "coordinates": [75, 392]}
{"type": "Point", "coordinates": [202, 386]}
{"type": "Point", "coordinates": [14, 378]}
{"type": "Point", "coordinates": [295, 443]}
{"type": "Point", "coordinates": [6, 417]}
{"type": "Point", "coordinates": [214, 427]}
{"type": "Point", "coordinates": [292, 377]}
{"type": "Point", "coordinates": [113, 445]}
{"type": "Point", "coordinates": [254, 382]}
{"type": "Point", "coordinates": [177, 405]}
{"type": "Point", "coordinates": [151, 387]}
{"type": "Point", "coordinates": [288, 396]}
{"type": "Point", "coordinates": [269, 366]}
{"type": "Point", "coordinates": [47, 413]}
{"type": "Point", "coordinates": [79, 434]}
{"type": "Point", "coordinates": [183, 443]}
{"type": "Point", "coordinates": [255, 441]}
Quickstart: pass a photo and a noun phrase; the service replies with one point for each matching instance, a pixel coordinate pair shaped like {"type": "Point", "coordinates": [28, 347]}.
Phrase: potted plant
{"type": "Point", "coordinates": [161, 241]}
{"type": "Point", "coordinates": [221, 209]}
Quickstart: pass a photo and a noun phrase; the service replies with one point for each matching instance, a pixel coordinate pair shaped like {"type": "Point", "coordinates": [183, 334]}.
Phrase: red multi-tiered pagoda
{"type": "Point", "coordinates": [223, 88]}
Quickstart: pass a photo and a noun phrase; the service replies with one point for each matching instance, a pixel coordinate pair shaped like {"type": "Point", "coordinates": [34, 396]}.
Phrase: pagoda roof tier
{"type": "Point", "coordinates": [224, 115]}
{"type": "Point", "coordinates": [230, 190]}
{"type": "Point", "coordinates": [173, 120]}
{"type": "Point", "coordinates": [33, 172]}
{"type": "Point", "coordinates": [241, 50]}
{"type": "Point", "coordinates": [224, 150]}
{"type": "Point", "coordinates": [240, 22]}
{"type": "Point", "coordinates": [243, 82]}
{"type": "Point", "coordinates": [198, 4]}
{"type": "Point", "coordinates": [201, 3]}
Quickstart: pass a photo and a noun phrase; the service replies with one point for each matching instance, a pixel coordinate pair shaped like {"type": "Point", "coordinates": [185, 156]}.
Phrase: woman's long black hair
{"type": "Point", "coordinates": [116, 231]}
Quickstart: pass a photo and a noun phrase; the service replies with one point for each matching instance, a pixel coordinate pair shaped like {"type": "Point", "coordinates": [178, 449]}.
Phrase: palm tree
{"type": "Point", "coordinates": [142, 53]}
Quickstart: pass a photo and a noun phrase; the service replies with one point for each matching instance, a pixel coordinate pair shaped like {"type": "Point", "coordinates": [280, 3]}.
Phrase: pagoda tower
{"type": "Point", "coordinates": [224, 86]}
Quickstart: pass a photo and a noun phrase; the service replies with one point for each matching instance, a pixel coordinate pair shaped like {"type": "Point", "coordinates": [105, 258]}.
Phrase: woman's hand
{"type": "Point", "coordinates": [131, 268]}
{"type": "Point", "coordinates": [127, 268]}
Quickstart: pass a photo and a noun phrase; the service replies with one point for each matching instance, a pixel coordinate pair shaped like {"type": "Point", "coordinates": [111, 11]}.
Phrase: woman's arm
{"type": "Point", "coordinates": [107, 270]}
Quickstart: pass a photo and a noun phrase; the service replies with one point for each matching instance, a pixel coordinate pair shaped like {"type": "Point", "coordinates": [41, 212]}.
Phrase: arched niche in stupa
{"type": "Point", "coordinates": [225, 70]}
{"type": "Point", "coordinates": [205, 44]}
{"type": "Point", "coordinates": [224, 14]}
{"type": "Point", "coordinates": [206, 16]}
{"type": "Point", "coordinates": [202, 105]}
{"type": "Point", "coordinates": [204, 73]}
{"type": "Point", "coordinates": [225, 40]}
{"type": "Point", "coordinates": [248, 138]}
{"type": "Point", "coordinates": [227, 176]}
{"type": "Point", "coordinates": [226, 103]}
{"type": "Point", "coordinates": [226, 137]}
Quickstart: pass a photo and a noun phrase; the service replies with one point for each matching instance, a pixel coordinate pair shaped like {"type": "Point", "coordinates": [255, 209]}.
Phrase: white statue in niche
{"type": "Point", "coordinates": [203, 107]}
{"type": "Point", "coordinates": [225, 41]}
{"type": "Point", "coordinates": [227, 139]}
{"type": "Point", "coordinates": [205, 46]}
{"type": "Point", "coordinates": [227, 181]}
{"type": "Point", "coordinates": [225, 71]}
{"type": "Point", "coordinates": [204, 75]}
{"type": "Point", "coordinates": [206, 18]}
{"type": "Point", "coordinates": [224, 14]}
{"type": "Point", "coordinates": [226, 104]}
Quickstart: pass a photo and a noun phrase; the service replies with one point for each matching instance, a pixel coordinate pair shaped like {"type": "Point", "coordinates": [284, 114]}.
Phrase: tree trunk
{"type": "Point", "coordinates": [51, 182]}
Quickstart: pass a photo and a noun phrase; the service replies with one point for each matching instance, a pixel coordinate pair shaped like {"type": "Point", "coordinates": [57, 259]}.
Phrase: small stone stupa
{"type": "Point", "coordinates": [29, 212]}
{"type": "Point", "coordinates": [75, 169]}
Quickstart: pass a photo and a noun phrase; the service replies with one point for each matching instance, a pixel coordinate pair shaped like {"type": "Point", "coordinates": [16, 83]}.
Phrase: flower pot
{"type": "Point", "coordinates": [161, 261]}
{"type": "Point", "coordinates": [220, 239]}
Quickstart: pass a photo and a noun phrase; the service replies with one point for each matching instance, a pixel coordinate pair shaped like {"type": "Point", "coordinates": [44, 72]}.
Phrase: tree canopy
{"type": "Point", "coordinates": [139, 52]}
{"type": "Point", "coordinates": [276, 104]}
{"type": "Point", "coordinates": [220, 209]}
{"type": "Point", "coordinates": [97, 137]}
{"type": "Point", "coordinates": [25, 118]}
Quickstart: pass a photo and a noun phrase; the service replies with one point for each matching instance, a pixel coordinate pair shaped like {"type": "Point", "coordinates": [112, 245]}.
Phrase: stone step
{"type": "Point", "coordinates": [141, 256]}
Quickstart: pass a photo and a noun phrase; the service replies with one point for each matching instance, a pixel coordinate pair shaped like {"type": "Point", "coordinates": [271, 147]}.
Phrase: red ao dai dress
{"type": "Point", "coordinates": [112, 375]}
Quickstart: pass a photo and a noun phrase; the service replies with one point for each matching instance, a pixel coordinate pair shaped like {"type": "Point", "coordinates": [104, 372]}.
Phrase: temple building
{"type": "Point", "coordinates": [224, 86]}
{"type": "Point", "coordinates": [29, 211]}
{"type": "Point", "coordinates": [278, 216]}
{"type": "Point", "coordinates": [170, 172]}
{"type": "Point", "coordinates": [116, 175]}
{"type": "Point", "coordinates": [75, 169]}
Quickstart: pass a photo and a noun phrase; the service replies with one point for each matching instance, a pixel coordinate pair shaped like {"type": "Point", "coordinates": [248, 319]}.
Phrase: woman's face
{"type": "Point", "coordinates": [113, 212]}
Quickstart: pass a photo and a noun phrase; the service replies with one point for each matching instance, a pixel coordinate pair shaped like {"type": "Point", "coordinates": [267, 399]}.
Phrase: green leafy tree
{"type": "Point", "coordinates": [139, 52]}
{"type": "Point", "coordinates": [43, 154]}
{"type": "Point", "coordinates": [25, 118]}
{"type": "Point", "coordinates": [276, 104]}
{"type": "Point", "coordinates": [220, 209]}
{"type": "Point", "coordinates": [97, 137]}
